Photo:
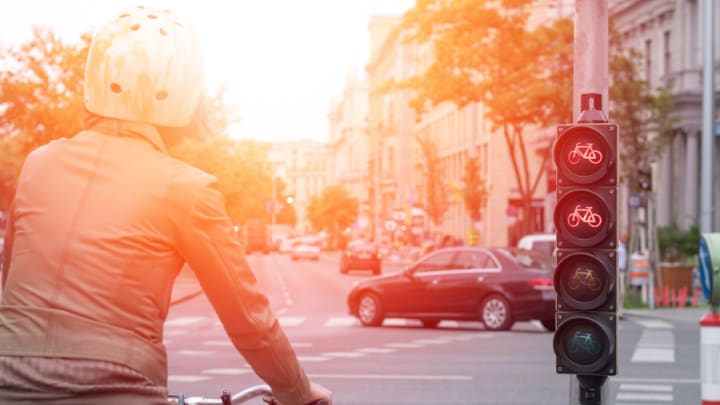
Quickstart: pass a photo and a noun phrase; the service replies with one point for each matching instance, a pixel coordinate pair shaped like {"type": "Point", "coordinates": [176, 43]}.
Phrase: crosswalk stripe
{"type": "Point", "coordinates": [395, 322]}
{"type": "Point", "coordinates": [655, 346]}
{"type": "Point", "coordinates": [404, 345]}
{"type": "Point", "coordinates": [287, 321]}
{"type": "Point", "coordinates": [653, 324]}
{"type": "Point", "coordinates": [218, 343]}
{"type": "Point", "coordinates": [449, 324]}
{"type": "Point", "coordinates": [646, 387]}
{"type": "Point", "coordinates": [631, 396]}
{"type": "Point", "coordinates": [312, 358]}
{"type": "Point", "coordinates": [431, 341]}
{"type": "Point", "coordinates": [227, 371]}
{"type": "Point", "coordinates": [375, 350]}
{"type": "Point", "coordinates": [195, 352]}
{"type": "Point", "coordinates": [344, 354]}
{"type": "Point", "coordinates": [184, 321]}
{"type": "Point", "coordinates": [187, 378]}
{"type": "Point", "coordinates": [341, 321]}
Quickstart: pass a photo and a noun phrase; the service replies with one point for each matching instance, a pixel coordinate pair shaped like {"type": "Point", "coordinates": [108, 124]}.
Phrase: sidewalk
{"type": "Point", "coordinates": [675, 314]}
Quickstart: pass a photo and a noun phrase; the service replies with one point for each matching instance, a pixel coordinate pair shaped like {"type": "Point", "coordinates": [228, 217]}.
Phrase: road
{"type": "Point", "coordinates": [404, 363]}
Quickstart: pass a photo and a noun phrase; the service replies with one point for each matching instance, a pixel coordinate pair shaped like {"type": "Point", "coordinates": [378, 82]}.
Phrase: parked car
{"type": "Point", "coordinates": [305, 248]}
{"type": "Point", "coordinates": [497, 286]}
{"type": "Point", "coordinates": [540, 242]}
{"type": "Point", "coordinates": [361, 255]}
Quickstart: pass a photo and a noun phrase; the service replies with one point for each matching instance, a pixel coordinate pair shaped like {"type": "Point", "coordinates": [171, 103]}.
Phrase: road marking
{"type": "Point", "coordinates": [653, 324]}
{"type": "Point", "coordinates": [538, 325]}
{"type": "Point", "coordinates": [375, 350]}
{"type": "Point", "coordinates": [287, 321]}
{"type": "Point", "coordinates": [195, 352]}
{"type": "Point", "coordinates": [313, 359]}
{"type": "Point", "coordinates": [184, 321]}
{"type": "Point", "coordinates": [395, 377]}
{"type": "Point", "coordinates": [218, 343]}
{"type": "Point", "coordinates": [188, 378]}
{"type": "Point", "coordinates": [630, 396]}
{"type": "Point", "coordinates": [646, 387]}
{"type": "Point", "coordinates": [395, 322]}
{"type": "Point", "coordinates": [227, 371]}
{"type": "Point", "coordinates": [344, 354]}
{"type": "Point", "coordinates": [404, 345]}
{"type": "Point", "coordinates": [655, 346]}
{"type": "Point", "coordinates": [657, 380]}
{"type": "Point", "coordinates": [449, 324]}
{"type": "Point", "coordinates": [341, 321]}
{"type": "Point", "coordinates": [431, 341]}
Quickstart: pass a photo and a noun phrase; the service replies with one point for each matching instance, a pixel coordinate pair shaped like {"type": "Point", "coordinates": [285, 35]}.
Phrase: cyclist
{"type": "Point", "coordinates": [101, 225]}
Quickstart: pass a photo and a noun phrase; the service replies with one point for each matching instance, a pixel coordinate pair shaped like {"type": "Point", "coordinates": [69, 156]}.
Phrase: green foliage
{"type": "Point", "coordinates": [242, 169]}
{"type": "Point", "coordinates": [475, 191]}
{"type": "Point", "coordinates": [41, 85]}
{"type": "Point", "coordinates": [644, 116]}
{"type": "Point", "coordinates": [333, 211]}
{"type": "Point", "coordinates": [436, 195]}
{"type": "Point", "coordinates": [678, 245]}
{"type": "Point", "coordinates": [484, 51]}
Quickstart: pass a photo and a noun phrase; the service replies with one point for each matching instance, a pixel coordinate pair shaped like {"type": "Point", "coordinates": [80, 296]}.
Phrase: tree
{"type": "Point", "coordinates": [644, 116]}
{"type": "Point", "coordinates": [475, 191]}
{"type": "Point", "coordinates": [333, 211]}
{"type": "Point", "coordinates": [484, 51]}
{"type": "Point", "coordinates": [436, 195]}
{"type": "Point", "coordinates": [41, 83]}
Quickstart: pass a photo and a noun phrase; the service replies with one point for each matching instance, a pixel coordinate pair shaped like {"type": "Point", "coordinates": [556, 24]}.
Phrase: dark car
{"type": "Point", "coordinates": [496, 286]}
{"type": "Point", "coordinates": [361, 255]}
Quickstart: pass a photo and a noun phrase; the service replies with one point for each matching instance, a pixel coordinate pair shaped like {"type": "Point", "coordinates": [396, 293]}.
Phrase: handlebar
{"type": "Point", "coordinates": [235, 399]}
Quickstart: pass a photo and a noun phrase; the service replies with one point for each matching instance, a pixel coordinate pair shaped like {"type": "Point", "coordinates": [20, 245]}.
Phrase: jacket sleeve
{"type": "Point", "coordinates": [211, 247]}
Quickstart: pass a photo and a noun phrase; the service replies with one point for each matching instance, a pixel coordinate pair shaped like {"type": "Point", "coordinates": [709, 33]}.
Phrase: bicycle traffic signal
{"type": "Point", "coordinates": [585, 221]}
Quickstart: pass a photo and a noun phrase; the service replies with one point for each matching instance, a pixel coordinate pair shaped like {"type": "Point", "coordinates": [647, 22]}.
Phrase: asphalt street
{"type": "Point", "coordinates": [403, 363]}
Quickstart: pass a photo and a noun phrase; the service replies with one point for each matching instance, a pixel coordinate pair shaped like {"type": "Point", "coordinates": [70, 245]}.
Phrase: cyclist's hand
{"type": "Point", "coordinates": [318, 392]}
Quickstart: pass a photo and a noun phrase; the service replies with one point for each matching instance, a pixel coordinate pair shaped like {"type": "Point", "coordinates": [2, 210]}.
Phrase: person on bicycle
{"type": "Point", "coordinates": [101, 225]}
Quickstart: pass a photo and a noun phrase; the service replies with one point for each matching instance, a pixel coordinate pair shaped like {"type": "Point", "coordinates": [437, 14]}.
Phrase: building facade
{"type": "Point", "coordinates": [669, 34]}
{"type": "Point", "coordinates": [302, 166]}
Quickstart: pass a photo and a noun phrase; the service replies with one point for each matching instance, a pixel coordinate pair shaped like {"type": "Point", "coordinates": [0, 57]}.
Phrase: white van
{"type": "Point", "coordinates": [540, 242]}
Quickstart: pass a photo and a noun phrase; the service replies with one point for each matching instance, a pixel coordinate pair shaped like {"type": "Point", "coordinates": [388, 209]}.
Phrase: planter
{"type": "Point", "coordinates": [676, 275]}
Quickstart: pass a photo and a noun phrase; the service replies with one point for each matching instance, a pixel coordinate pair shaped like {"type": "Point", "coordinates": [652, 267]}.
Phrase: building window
{"type": "Point", "coordinates": [666, 54]}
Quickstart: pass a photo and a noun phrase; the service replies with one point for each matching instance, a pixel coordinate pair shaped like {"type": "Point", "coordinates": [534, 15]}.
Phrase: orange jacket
{"type": "Point", "coordinates": [100, 227]}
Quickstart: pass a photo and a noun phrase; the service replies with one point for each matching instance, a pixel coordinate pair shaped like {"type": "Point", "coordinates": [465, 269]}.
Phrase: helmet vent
{"type": "Point", "coordinates": [161, 95]}
{"type": "Point", "coordinates": [115, 88]}
{"type": "Point", "coordinates": [152, 16]}
{"type": "Point", "coordinates": [124, 15]}
{"type": "Point", "coordinates": [135, 27]}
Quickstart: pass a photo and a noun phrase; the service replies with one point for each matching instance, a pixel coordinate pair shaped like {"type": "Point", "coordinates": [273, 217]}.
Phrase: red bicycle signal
{"type": "Point", "coordinates": [585, 151]}
{"type": "Point", "coordinates": [584, 215]}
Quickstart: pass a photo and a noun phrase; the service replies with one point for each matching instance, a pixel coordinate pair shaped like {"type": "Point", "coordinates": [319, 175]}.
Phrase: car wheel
{"type": "Point", "coordinates": [430, 323]}
{"type": "Point", "coordinates": [495, 313]}
{"type": "Point", "coordinates": [370, 310]}
{"type": "Point", "coordinates": [548, 324]}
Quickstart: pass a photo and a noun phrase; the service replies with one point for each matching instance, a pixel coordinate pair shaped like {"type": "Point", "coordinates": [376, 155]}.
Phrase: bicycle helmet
{"type": "Point", "coordinates": [144, 66]}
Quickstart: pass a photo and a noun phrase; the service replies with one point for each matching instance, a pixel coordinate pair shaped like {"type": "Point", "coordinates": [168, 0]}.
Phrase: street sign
{"type": "Point", "coordinates": [709, 258]}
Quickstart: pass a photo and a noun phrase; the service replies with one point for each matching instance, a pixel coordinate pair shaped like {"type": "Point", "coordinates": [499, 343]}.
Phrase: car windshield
{"type": "Point", "coordinates": [529, 258]}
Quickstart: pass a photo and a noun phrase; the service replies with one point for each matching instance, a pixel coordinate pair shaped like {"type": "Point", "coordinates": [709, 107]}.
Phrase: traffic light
{"type": "Point", "coordinates": [645, 178]}
{"type": "Point", "coordinates": [585, 219]}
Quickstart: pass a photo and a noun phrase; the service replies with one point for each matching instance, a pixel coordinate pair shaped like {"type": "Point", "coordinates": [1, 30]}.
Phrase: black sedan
{"type": "Point", "coordinates": [361, 255]}
{"type": "Point", "coordinates": [497, 286]}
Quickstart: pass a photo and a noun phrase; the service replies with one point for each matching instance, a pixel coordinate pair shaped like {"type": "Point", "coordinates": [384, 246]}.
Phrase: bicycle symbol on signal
{"type": "Point", "coordinates": [584, 277]}
{"type": "Point", "coordinates": [584, 151]}
{"type": "Point", "coordinates": [585, 342]}
{"type": "Point", "coordinates": [584, 215]}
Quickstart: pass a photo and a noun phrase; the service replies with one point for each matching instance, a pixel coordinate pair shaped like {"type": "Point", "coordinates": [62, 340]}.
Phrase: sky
{"type": "Point", "coordinates": [283, 61]}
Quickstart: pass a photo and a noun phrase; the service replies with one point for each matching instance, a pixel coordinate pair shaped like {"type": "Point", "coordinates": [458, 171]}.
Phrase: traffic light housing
{"type": "Point", "coordinates": [585, 219]}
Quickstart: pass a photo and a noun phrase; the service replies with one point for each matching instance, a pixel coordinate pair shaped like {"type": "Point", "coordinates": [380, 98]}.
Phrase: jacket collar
{"type": "Point", "coordinates": [134, 129]}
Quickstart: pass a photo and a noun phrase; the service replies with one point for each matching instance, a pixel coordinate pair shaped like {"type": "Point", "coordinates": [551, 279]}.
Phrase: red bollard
{"type": "Point", "coordinates": [682, 297]}
{"type": "Point", "coordinates": [710, 359]}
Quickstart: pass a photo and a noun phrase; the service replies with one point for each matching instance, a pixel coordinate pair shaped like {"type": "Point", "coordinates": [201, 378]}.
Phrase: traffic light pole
{"type": "Point", "coordinates": [590, 75]}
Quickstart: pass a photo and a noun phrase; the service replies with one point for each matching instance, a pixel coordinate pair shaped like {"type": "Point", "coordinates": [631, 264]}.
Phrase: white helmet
{"type": "Point", "coordinates": [145, 66]}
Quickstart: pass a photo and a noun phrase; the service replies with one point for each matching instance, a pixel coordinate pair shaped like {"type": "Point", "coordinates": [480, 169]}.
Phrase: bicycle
{"type": "Point", "coordinates": [234, 399]}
